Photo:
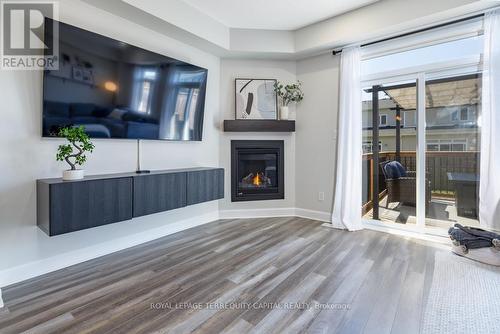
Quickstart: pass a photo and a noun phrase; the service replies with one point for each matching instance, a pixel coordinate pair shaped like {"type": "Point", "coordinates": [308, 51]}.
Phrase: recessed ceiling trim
{"type": "Point", "coordinates": [274, 14]}
{"type": "Point", "coordinates": [370, 22]}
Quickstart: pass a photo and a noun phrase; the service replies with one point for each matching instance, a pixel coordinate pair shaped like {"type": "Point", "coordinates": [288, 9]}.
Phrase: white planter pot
{"type": "Point", "coordinates": [284, 112]}
{"type": "Point", "coordinates": [77, 174]}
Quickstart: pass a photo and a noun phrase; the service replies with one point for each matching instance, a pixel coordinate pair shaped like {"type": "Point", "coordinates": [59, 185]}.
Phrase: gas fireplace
{"type": "Point", "coordinates": [257, 170]}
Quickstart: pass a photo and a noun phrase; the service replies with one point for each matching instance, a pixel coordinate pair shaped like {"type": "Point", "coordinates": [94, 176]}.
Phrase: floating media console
{"type": "Point", "coordinates": [68, 206]}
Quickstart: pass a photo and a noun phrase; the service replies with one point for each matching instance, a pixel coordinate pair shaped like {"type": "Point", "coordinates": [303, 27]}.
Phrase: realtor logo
{"type": "Point", "coordinates": [28, 40]}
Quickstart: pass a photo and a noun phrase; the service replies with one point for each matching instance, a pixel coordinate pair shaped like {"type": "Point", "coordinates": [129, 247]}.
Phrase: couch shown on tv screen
{"type": "Point", "coordinates": [116, 90]}
{"type": "Point", "coordinates": [98, 121]}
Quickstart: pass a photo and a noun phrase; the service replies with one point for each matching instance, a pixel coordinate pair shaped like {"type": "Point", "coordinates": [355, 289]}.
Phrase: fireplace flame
{"type": "Point", "coordinates": [256, 180]}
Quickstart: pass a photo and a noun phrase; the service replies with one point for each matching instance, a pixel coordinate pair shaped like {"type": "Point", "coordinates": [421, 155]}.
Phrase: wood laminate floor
{"type": "Point", "coordinates": [272, 275]}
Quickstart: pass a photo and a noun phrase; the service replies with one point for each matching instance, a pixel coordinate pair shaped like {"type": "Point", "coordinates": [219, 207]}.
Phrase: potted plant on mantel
{"type": "Point", "coordinates": [74, 152]}
{"type": "Point", "coordinates": [288, 94]}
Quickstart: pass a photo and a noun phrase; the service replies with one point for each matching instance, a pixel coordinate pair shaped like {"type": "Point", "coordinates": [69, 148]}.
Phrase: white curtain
{"type": "Point", "coordinates": [489, 185]}
{"type": "Point", "coordinates": [347, 203]}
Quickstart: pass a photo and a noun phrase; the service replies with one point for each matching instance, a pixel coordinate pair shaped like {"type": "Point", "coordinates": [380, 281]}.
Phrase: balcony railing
{"type": "Point", "coordinates": [438, 164]}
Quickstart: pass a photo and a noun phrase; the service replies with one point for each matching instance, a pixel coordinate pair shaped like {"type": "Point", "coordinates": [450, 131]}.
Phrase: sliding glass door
{"type": "Point", "coordinates": [389, 152]}
{"type": "Point", "coordinates": [421, 130]}
{"type": "Point", "coordinates": [421, 140]}
{"type": "Point", "coordinates": [452, 139]}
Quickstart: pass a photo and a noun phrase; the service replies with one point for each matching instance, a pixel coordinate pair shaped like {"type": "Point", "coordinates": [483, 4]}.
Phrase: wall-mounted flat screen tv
{"type": "Point", "coordinates": [117, 90]}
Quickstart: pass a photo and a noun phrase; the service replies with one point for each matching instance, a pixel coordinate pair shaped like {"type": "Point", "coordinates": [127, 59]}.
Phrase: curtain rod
{"type": "Point", "coordinates": [336, 52]}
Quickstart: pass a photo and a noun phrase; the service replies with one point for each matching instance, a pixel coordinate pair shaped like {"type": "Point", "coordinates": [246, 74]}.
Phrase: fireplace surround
{"type": "Point", "coordinates": [257, 170]}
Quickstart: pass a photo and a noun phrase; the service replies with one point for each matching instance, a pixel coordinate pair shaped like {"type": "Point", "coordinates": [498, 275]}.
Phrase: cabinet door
{"type": "Point", "coordinates": [84, 204]}
{"type": "Point", "coordinates": [205, 185]}
{"type": "Point", "coordinates": [159, 192]}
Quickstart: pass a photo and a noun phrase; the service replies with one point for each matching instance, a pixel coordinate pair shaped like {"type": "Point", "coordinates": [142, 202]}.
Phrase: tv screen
{"type": "Point", "coordinates": [117, 90]}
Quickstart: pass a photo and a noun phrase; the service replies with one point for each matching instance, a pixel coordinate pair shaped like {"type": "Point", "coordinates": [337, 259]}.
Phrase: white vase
{"type": "Point", "coordinates": [70, 175]}
{"type": "Point", "coordinates": [284, 112]}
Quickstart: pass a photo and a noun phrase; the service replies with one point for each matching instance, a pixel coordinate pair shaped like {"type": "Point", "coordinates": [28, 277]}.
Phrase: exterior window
{"type": "Point", "coordinates": [410, 119]}
{"type": "Point", "coordinates": [456, 145]}
{"type": "Point", "coordinates": [368, 146]}
{"type": "Point", "coordinates": [445, 147]}
{"type": "Point", "coordinates": [383, 120]}
{"type": "Point", "coordinates": [460, 115]}
{"type": "Point", "coordinates": [437, 53]}
{"type": "Point", "coordinates": [431, 146]}
{"type": "Point", "coordinates": [464, 114]}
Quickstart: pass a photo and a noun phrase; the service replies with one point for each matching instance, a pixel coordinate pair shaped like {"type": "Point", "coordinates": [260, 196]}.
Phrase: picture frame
{"type": "Point", "coordinates": [87, 76]}
{"type": "Point", "coordinates": [77, 73]}
{"type": "Point", "coordinates": [255, 99]}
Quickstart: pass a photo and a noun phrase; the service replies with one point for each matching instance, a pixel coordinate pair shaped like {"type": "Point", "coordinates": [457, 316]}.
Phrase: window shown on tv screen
{"type": "Point", "coordinates": [116, 90]}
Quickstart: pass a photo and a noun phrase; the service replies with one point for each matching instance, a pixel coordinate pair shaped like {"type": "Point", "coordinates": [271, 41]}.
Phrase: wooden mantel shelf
{"type": "Point", "coordinates": [265, 125]}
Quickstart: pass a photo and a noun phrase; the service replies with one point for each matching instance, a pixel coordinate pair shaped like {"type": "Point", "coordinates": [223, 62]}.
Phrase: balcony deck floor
{"type": "Point", "coordinates": [442, 214]}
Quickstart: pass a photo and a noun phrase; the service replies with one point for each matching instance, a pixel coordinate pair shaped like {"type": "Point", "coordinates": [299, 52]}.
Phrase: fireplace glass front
{"type": "Point", "coordinates": [257, 169]}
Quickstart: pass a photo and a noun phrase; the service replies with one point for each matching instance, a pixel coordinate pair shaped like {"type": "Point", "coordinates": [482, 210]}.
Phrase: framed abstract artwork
{"type": "Point", "coordinates": [255, 99]}
{"type": "Point", "coordinates": [77, 73]}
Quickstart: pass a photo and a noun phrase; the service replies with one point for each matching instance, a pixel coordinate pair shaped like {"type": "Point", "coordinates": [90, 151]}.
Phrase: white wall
{"type": "Point", "coordinates": [316, 136]}
{"type": "Point", "coordinates": [265, 41]}
{"type": "Point", "coordinates": [265, 69]}
{"type": "Point", "coordinates": [25, 157]}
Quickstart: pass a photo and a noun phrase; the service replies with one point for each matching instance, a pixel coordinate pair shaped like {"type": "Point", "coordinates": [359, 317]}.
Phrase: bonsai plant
{"type": "Point", "coordinates": [74, 152]}
{"type": "Point", "coordinates": [288, 93]}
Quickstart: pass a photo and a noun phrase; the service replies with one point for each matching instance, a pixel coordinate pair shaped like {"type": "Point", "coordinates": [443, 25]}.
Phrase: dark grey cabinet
{"type": "Point", "coordinates": [68, 206]}
{"type": "Point", "coordinates": [204, 186]}
{"type": "Point", "coordinates": [159, 192]}
{"type": "Point", "coordinates": [76, 206]}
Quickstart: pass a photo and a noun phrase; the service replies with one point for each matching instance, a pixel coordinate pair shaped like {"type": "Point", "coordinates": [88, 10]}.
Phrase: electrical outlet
{"type": "Point", "coordinates": [321, 196]}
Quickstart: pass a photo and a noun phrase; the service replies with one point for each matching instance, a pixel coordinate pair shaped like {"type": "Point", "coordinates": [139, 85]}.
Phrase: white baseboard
{"type": "Point", "coordinates": [276, 212]}
{"type": "Point", "coordinates": [314, 215]}
{"type": "Point", "coordinates": [37, 268]}
{"type": "Point", "coordinates": [257, 213]}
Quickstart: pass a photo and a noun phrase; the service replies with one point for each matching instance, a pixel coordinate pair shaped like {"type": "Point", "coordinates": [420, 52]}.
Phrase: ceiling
{"type": "Point", "coordinates": [274, 14]}
{"type": "Point", "coordinates": [281, 29]}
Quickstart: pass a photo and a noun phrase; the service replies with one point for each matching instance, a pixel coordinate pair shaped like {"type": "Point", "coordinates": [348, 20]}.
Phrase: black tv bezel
{"type": "Point", "coordinates": [140, 48]}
